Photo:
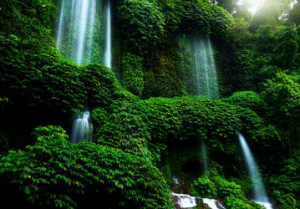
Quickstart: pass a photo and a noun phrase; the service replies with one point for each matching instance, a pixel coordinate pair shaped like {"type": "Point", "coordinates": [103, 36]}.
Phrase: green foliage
{"type": "Point", "coordinates": [247, 99]}
{"type": "Point", "coordinates": [285, 200]}
{"type": "Point", "coordinates": [142, 25]}
{"type": "Point", "coordinates": [164, 81]}
{"type": "Point", "coordinates": [286, 184]}
{"type": "Point", "coordinates": [150, 29]}
{"type": "Point", "coordinates": [37, 76]}
{"type": "Point", "coordinates": [49, 133]}
{"type": "Point", "coordinates": [132, 74]}
{"type": "Point", "coordinates": [235, 203]}
{"type": "Point", "coordinates": [228, 189]}
{"type": "Point", "coordinates": [195, 15]}
{"type": "Point", "coordinates": [217, 186]}
{"type": "Point", "coordinates": [26, 17]}
{"type": "Point", "coordinates": [282, 93]}
{"type": "Point", "coordinates": [101, 85]}
{"type": "Point", "coordinates": [205, 188]}
{"type": "Point", "coordinates": [132, 134]}
{"type": "Point", "coordinates": [221, 24]}
{"type": "Point", "coordinates": [100, 116]}
{"type": "Point", "coordinates": [125, 130]}
{"type": "Point", "coordinates": [278, 45]}
{"type": "Point", "coordinates": [294, 16]}
{"type": "Point", "coordinates": [153, 123]}
{"type": "Point", "coordinates": [56, 173]}
{"type": "Point", "coordinates": [40, 77]}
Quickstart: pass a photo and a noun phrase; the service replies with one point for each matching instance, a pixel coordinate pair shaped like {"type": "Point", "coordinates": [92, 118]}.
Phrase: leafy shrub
{"type": "Point", "coordinates": [205, 188]}
{"type": "Point", "coordinates": [101, 85]}
{"type": "Point", "coordinates": [247, 99]}
{"type": "Point", "coordinates": [56, 173]}
{"type": "Point", "coordinates": [235, 203]}
{"type": "Point", "coordinates": [124, 130]}
{"type": "Point", "coordinates": [142, 25]}
{"type": "Point", "coordinates": [228, 189]}
{"type": "Point", "coordinates": [100, 116]}
{"type": "Point", "coordinates": [285, 200]}
{"type": "Point", "coordinates": [286, 184]}
{"type": "Point", "coordinates": [157, 121]}
{"type": "Point", "coordinates": [132, 74]}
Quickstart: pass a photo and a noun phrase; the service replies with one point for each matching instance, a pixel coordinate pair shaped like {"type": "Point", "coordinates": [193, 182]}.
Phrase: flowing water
{"type": "Point", "coordinates": [184, 201]}
{"type": "Point", "coordinates": [198, 69]}
{"type": "Point", "coordinates": [80, 38]}
{"type": "Point", "coordinates": [84, 31]}
{"type": "Point", "coordinates": [187, 201]}
{"type": "Point", "coordinates": [204, 157]}
{"type": "Point", "coordinates": [213, 204]}
{"type": "Point", "coordinates": [82, 128]}
{"type": "Point", "coordinates": [260, 194]}
{"type": "Point", "coordinates": [108, 36]}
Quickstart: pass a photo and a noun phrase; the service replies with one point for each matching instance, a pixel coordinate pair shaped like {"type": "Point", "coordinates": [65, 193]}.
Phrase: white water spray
{"type": "Point", "coordinates": [185, 201]}
{"type": "Point", "coordinates": [200, 77]}
{"type": "Point", "coordinates": [60, 26]}
{"type": "Point", "coordinates": [260, 194]}
{"type": "Point", "coordinates": [78, 33]}
{"type": "Point", "coordinates": [82, 31]}
{"type": "Point", "coordinates": [108, 36]}
{"type": "Point", "coordinates": [213, 204]}
{"type": "Point", "coordinates": [82, 129]}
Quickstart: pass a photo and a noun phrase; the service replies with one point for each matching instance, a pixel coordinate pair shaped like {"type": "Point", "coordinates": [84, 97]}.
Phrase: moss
{"type": "Point", "coordinates": [132, 74]}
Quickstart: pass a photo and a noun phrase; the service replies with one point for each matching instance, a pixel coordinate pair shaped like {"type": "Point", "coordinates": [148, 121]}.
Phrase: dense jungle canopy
{"type": "Point", "coordinates": [160, 93]}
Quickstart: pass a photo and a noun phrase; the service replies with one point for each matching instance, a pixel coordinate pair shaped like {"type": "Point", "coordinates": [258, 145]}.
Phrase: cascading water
{"type": "Point", "coordinates": [81, 31]}
{"type": "Point", "coordinates": [81, 24]}
{"type": "Point", "coordinates": [204, 157]}
{"type": "Point", "coordinates": [198, 66]}
{"type": "Point", "coordinates": [260, 194]}
{"type": "Point", "coordinates": [60, 25]}
{"type": "Point", "coordinates": [108, 36]}
{"type": "Point", "coordinates": [184, 201]}
{"type": "Point", "coordinates": [213, 204]}
{"type": "Point", "coordinates": [187, 201]}
{"type": "Point", "coordinates": [82, 129]}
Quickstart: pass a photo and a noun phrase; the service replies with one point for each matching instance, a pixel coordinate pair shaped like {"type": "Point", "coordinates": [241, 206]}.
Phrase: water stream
{"type": "Point", "coordinates": [79, 39]}
{"type": "Point", "coordinates": [108, 36]}
{"type": "Point", "coordinates": [260, 194]}
{"type": "Point", "coordinates": [82, 128]}
{"type": "Point", "coordinates": [199, 72]}
{"type": "Point", "coordinates": [204, 157]}
{"type": "Point", "coordinates": [84, 31]}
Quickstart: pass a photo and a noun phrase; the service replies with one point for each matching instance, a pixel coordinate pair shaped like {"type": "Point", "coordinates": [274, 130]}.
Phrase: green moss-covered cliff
{"type": "Point", "coordinates": [148, 128]}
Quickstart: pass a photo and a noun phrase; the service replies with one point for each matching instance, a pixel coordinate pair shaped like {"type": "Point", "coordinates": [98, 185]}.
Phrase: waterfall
{"type": "Point", "coordinates": [184, 200]}
{"type": "Point", "coordinates": [204, 157]}
{"type": "Point", "coordinates": [82, 129]}
{"type": "Point", "coordinates": [260, 194]}
{"type": "Point", "coordinates": [108, 36]}
{"type": "Point", "coordinates": [60, 25]}
{"type": "Point", "coordinates": [213, 204]}
{"type": "Point", "coordinates": [81, 31]}
{"type": "Point", "coordinates": [198, 66]}
{"type": "Point", "coordinates": [187, 201]}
